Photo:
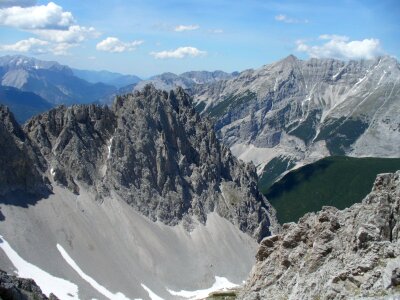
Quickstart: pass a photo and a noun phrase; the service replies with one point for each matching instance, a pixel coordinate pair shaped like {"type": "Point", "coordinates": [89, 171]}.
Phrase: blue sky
{"type": "Point", "coordinates": [150, 37]}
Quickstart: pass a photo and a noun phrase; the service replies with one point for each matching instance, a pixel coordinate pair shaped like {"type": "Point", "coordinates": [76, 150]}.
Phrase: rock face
{"type": "Point", "coordinates": [14, 288]}
{"type": "Point", "coordinates": [155, 152]}
{"type": "Point", "coordinates": [20, 165]}
{"type": "Point", "coordinates": [305, 110]}
{"type": "Point", "coordinates": [73, 142]}
{"type": "Point", "coordinates": [176, 161]}
{"type": "Point", "coordinates": [334, 254]}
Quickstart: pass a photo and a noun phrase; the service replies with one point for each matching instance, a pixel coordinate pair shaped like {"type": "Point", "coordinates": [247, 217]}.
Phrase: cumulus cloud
{"type": "Point", "coordinates": [286, 19]}
{"type": "Point", "coordinates": [180, 28]}
{"type": "Point", "coordinates": [113, 44]}
{"type": "Point", "coordinates": [37, 46]}
{"type": "Point", "coordinates": [341, 47]}
{"type": "Point", "coordinates": [50, 16]}
{"type": "Point", "coordinates": [73, 34]}
{"type": "Point", "coordinates": [29, 45]}
{"type": "Point", "coordinates": [50, 23]}
{"type": "Point", "coordinates": [180, 52]}
{"type": "Point", "coordinates": [21, 3]}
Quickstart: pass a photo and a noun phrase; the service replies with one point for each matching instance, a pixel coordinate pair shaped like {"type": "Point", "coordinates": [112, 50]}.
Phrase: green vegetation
{"type": "Point", "coordinates": [200, 107]}
{"type": "Point", "coordinates": [341, 133]}
{"type": "Point", "coordinates": [237, 100]}
{"type": "Point", "coordinates": [272, 170]}
{"type": "Point", "coordinates": [222, 295]}
{"type": "Point", "coordinates": [334, 181]}
{"type": "Point", "coordinates": [306, 130]}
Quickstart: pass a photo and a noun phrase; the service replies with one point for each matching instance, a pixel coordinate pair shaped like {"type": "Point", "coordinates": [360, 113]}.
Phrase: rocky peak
{"type": "Point", "coordinates": [73, 141]}
{"type": "Point", "coordinates": [335, 254]}
{"type": "Point", "coordinates": [162, 150]}
{"type": "Point", "coordinates": [155, 152]}
{"type": "Point", "coordinates": [20, 166]}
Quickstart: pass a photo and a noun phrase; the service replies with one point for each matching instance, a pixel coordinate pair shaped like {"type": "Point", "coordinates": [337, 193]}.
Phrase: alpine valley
{"type": "Point", "coordinates": [156, 194]}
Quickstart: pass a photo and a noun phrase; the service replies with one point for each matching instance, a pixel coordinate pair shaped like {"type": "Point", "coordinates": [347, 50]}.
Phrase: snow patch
{"type": "Point", "coordinates": [109, 148]}
{"type": "Point", "coordinates": [98, 287]}
{"type": "Point", "coordinates": [152, 295]}
{"type": "Point", "coordinates": [48, 283]}
{"type": "Point", "coordinates": [52, 172]}
{"type": "Point", "coordinates": [220, 284]}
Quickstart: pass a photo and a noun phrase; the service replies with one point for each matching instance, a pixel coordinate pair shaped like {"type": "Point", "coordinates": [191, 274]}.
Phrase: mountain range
{"type": "Point", "coordinates": [55, 83]}
{"type": "Point", "coordinates": [300, 111]}
{"type": "Point", "coordinates": [156, 195]}
{"type": "Point", "coordinates": [135, 184]}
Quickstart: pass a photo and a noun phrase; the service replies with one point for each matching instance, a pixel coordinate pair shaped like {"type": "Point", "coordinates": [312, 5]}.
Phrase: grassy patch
{"type": "Point", "coordinates": [231, 101]}
{"type": "Point", "coordinates": [200, 107]}
{"type": "Point", "coordinates": [306, 130]}
{"type": "Point", "coordinates": [341, 133]}
{"type": "Point", "coordinates": [222, 295]}
{"type": "Point", "coordinates": [335, 181]}
{"type": "Point", "coordinates": [272, 170]}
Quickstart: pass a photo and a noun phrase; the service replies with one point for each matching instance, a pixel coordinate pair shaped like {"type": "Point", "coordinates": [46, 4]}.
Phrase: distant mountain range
{"type": "Point", "coordinates": [111, 78]}
{"type": "Point", "coordinates": [187, 80]}
{"type": "Point", "coordinates": [23, 104]}
{"type": "Point", "coordinates": [298, 111]}
{"type": "Point", "coordinates": [55, 83]}
{"type": "Point", "coordinates": [280, 116]}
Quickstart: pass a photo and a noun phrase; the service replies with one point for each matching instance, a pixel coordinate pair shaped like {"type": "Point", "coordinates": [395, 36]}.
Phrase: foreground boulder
{"type": "Point", "coordinates": [14, 288]}
{"type": "Point", "coordinates": [334, 254]}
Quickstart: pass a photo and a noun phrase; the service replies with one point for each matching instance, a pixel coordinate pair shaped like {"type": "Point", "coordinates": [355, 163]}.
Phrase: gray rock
{"type": "Point", "coordinates": [334, 254]}
{"type": "Point", "coordinates": [156, 153]}
{"type": "Point", "coordinates": [21, 166]}
{"type": "Point", "coordinates": [15, 288]}
{"type": "Point", "coordinates": [307, 110]}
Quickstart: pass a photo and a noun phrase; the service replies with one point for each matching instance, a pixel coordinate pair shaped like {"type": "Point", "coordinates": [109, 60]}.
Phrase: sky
{"type": "Point", "coordinates": [148, 37]}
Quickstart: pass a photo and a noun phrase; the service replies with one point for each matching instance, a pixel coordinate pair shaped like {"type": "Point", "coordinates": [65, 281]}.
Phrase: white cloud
{"type": "Point", "coordinates": [113, 44]}
{"type": "Point", "coordinates": [29, 45]}
{"type": "Point", "coordinates": [21, 3]}
{"type": "Point", "coordinates": [50, 16]}
{"type": "Point", "coordinates": [180, 52]}
{"type": "Point", "coordinates": [180, 28]}
{"type": "Point", "coordinates": [37, 46]}
{"type": "Point", "coordinates": [74, 34]}
{"type": "Point", "coordinates": [286, 19]}
{"type": "Point", "coordinates": [61, 48]}
{"type": "Point", "coordinates": [216, 31]}
{"type": "Point", "coordinates": [341, 47]}
{"type": "Point", "coordinates": [49, 23]}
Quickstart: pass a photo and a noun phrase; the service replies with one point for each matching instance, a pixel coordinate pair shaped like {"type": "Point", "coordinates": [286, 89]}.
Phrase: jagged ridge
{"type": "Point", "coordinates": [154, 151]}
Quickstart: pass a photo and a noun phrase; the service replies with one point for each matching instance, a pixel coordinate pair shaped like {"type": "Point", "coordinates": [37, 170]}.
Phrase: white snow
{"type": "Point", "coordinates": [152, 295]}
{"type": "Point", "coordinates": [101, 289]}
{"type": "Point", "coordinates": [52, 172]}
{"type": "Point", "coordinates": [109, 148]}
{"type": "Point", "coordinates": [48, 283]}
{"type": "Point", "coordinates": [220, 284]}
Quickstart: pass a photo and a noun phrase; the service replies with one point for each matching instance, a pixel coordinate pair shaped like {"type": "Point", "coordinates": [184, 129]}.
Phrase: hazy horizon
{"type": "Point", "coordinates": [152, 37]}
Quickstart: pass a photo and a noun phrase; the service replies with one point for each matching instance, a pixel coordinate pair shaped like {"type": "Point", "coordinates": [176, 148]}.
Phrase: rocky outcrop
{"type": "Point", "coordinates": [155, 152]}
{"type": "Point", "coordinates": [168, 163]}
{"type": "Point", "coordinates": [15, 288]}
{"type": "Point", "coordinates": [20, 165]}
{"type": "Point", "coordinates": [334, 254]}
{"type": "Point", "coordinates": [74, 142]}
